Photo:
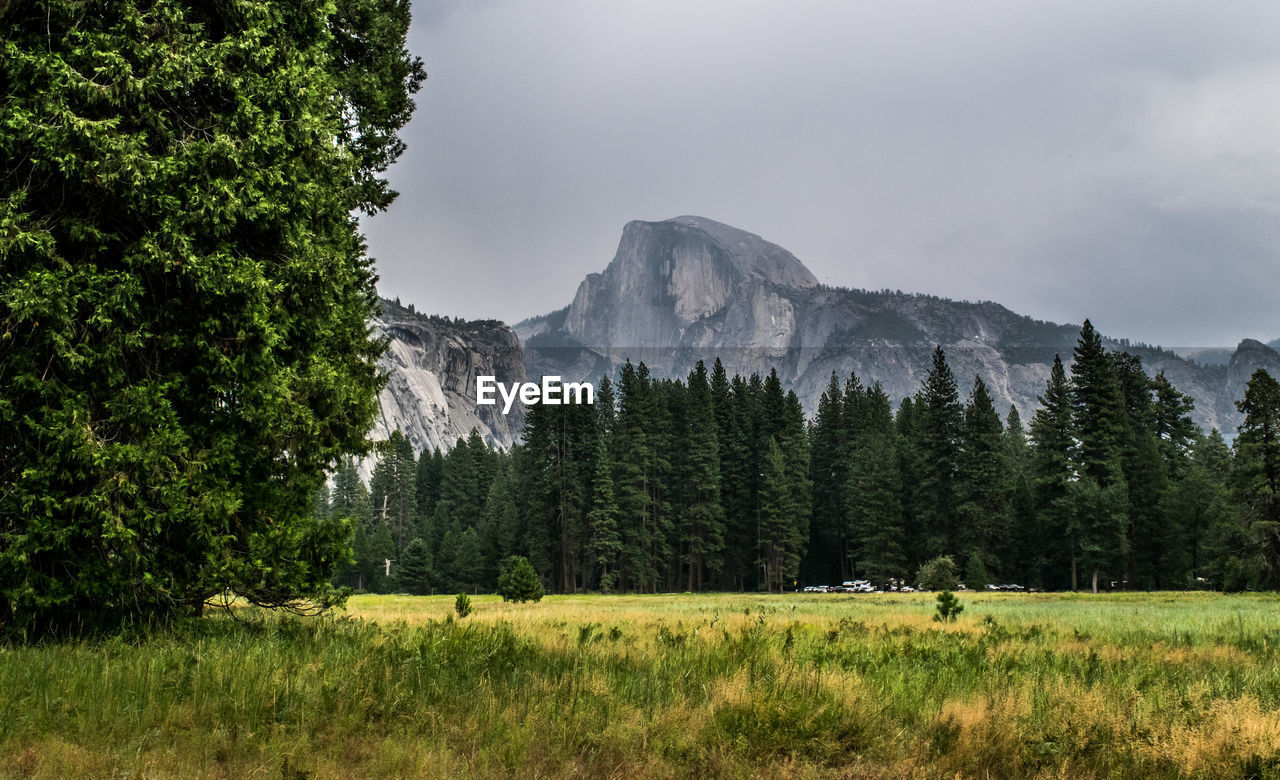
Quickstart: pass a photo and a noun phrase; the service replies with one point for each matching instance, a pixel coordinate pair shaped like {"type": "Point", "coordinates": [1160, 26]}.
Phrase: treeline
{"type": "Point", "coordinates": [718, 483]}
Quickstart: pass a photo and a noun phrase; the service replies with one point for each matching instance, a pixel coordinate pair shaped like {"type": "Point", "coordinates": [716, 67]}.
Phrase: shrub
{"type": "Point", "coordinates": [948, 607]}
{"type": "Point", "coordinates": [937, 574]}
{"type": "Point", "coordinates": [462, 605]}
{"type": "Point", "coordinates": [517, 581]}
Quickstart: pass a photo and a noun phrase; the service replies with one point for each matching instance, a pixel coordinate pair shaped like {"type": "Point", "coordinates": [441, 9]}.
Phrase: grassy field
{"type": "Point", "coordinates": [1050, 685]}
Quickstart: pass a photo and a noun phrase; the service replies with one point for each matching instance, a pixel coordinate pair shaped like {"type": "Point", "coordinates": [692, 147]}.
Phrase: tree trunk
{"type": "Point", "coordinates": [1095, 579]}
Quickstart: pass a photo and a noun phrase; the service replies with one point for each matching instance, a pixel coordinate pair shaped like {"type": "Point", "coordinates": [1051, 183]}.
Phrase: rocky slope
{"type": "Point", "coordinates": [432, 363]}
{"type": "Point", "coordinates": [690, 288]}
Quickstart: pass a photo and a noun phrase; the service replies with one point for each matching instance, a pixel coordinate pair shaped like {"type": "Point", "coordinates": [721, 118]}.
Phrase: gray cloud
{"type": "Point", "coordinates": [1067, 159]}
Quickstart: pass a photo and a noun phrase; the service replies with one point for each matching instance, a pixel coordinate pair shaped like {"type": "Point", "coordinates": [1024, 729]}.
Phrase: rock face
{"type": "Point", "coordinates": [432, 364]}
{"type": "Point", "coordinates": [690, 288]}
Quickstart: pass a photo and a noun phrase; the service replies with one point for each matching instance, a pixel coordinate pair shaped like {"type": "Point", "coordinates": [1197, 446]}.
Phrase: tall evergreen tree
{"type": "Point", "coordinates": [1100, 498]}
{"type": "Point", "coordinates": [1097, 409]}
{"type": "Point", "coordinates": [827, 559]}
{"type": "Point", "coordinates": [185, 297]}
{"type": "Point", "coordinates": [1026, 534]}
{"type": "Point", "coordinates": [415, 574]}
{"type": "Point", "coordinates": [874, 491]}
{"type": "Point", "coordinates": [984, 481]}
{"type": "Point", "coordinates": [1256, 477]}
{"type": "Point", "coordinates": [394, 489]}
{"type": "Point", "coordinates": [1053, 469]}
{"type": "Point", "coordinates": [605, 538]}
{"type": "Point", "coordinates": [427, 487]}
{"type": "Point", "coordinates": [779, 540]}
{"type": "Point", "coordinates": [702, 523]}
{"type": "Point", "coordinates": [1146, 534]}
{"type": "Point", "coordinates": [936, 434]}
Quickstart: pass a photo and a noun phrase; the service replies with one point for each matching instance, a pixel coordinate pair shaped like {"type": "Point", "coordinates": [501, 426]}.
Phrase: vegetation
{"type": "Point", "coordinates": [1020, 685]}
{"type": "Point", "coordinates": [462, 605]}
{"type": "Point", "coordinates": [718, 483]}
{"type": "Point", "coordinates": [937, 574]}
{"type": "Point", "coordinates": [949, 607]}
{"type": "Point", "coordinates": [518, 581]}
{"type": "Point", "coordinates": [185, 296]}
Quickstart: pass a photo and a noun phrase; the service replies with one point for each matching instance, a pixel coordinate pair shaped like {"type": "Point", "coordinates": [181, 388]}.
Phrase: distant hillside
{"type": "Point", "coordinates": [432, 363]}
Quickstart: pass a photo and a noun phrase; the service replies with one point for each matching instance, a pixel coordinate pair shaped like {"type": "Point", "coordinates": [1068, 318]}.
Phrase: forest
{"type": "Point", "coordinates": [717, 483]}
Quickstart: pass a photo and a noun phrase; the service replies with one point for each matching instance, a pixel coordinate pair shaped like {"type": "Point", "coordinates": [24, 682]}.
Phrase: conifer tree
{"type": "Point", "coordinates": [1097, 409]}
{"type": "Point", "coordinates": [501, 528]}
{"type": "Point", "coordinates": [829, 551]}
{"type": "Point", "coordinates": [185, 297]}
{"type": "Point", "coordinates": [874, 490]}
{"type": "Point", "coordinates": [1052, 471]}
{"type": "Point", "coordinates": [602, 521]}
{"type": "Point", "coordinates": [631, 481]}
{"type": "Point", "coordinates": [1100, 497]}
{"type": "Point", "coordinates": [1256, 477]}
{"type": "Point", "coordinates": [1026, 533]}
{"type": "Point", "coordinates": [468, 561]}
{"type": "Point", "coordinates": [983, 480]}
{"type": "Point", "coordinates": [427, 488]}
{"type": "Point", "coordinates": [702, 522]}
{"type": "Point", "coordinates": [415, 573]}
{"type": "Point", "coordinates": [350, 500]}
{"type": "Point", "coordinates": [393, 488]}
{"type": "Point", "coordinates": [779, 542]}
{"type": "Point", "coordinates": [1172, 424]}
{"type": "Point", "coordinates": [936, 433]}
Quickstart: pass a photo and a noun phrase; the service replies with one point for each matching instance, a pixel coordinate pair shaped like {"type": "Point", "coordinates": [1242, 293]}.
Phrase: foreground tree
{"type": "Point", "coordinates": [184, 296]}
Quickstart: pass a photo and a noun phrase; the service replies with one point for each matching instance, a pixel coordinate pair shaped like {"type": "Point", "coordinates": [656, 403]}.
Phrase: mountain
{"type": "Point", "coordinates": [691, 288]}
{"type": "Point", "coordinates": [432, 364]}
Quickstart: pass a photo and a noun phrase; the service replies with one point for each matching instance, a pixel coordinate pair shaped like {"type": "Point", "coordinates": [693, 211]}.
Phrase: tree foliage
{"type": "Point", "coordinates": [184, 296]}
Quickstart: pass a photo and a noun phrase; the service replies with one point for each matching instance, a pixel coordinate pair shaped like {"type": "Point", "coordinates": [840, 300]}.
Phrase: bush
{"type": "Point", "coordinates": [517, 581]}
{"type": "Point", "coordinates": [937, 574]}
{"type": "Point", "coordinates": [462, 605]}
{"type": "Point", "coordinates": [948, 607]}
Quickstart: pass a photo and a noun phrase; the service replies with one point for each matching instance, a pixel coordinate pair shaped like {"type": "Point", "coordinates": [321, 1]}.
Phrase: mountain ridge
{"type": "Point", "coordinates": [675, 292]}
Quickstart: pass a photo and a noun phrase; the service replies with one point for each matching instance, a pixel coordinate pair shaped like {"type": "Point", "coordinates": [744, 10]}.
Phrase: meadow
{"type": "Point", "coordinates": [794, 685]}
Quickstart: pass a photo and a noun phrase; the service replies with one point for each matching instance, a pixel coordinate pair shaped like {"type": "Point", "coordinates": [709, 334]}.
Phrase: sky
{"type": "Point", "coordinates": [1116, 160]}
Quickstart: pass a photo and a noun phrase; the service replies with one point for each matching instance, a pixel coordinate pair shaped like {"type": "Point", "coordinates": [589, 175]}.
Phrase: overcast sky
{"type": "Point", "coordinates": [1112, 160]}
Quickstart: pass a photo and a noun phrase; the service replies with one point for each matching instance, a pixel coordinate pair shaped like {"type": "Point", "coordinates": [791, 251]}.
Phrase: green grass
{"type": "Point", "coordinates": [722, 685]}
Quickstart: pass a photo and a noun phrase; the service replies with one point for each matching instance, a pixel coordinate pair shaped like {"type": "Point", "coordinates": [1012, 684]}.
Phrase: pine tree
{"type": "Point", "coordinates": [501, 528]}
{"type": "Point", "coordinates": [875, 519]}
{"type": "Point", "coordinates": [427, 488]}
{"type": "Point", "coordinates": [394, 489]}
{"type": "Point", "coordinates": [1098, 409]}
{"type": "Point", "coordinates": [1100, 499]}
{"type": "Point", "coordinates": [518, 581]}
{"type": "Point", "coordinates": [1148, 534]}
{"type": "Point", "coordinates": [702, 523]}
{"type": "Point", "coordinates": [984, 481]}
{"type": "Point", "coordinates": [1026, 533]}
{"type": "Point", "coordinates": [829, 548]}
{"type": "Point", "coordinates": [779, 542]}
{"type": "Point", "coordinates": [1052, 471]}
{"type": "Point", "coordinates": [415, 574]}
{"type": "Point", "coordinates": [185, 298]}
{"type": "Point", "coordinates": [939, 417]}
{"type": "Point", "coordinates": [631, 481]}
{"type": "Point", "coordinates": [468, 561]}
{"type": "Point", "coordinates": [1256, 476]}
{"type": "Point", "coordinates": [350, 501]}
{"type": "Point", "coordinates": [602, 520]}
